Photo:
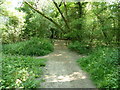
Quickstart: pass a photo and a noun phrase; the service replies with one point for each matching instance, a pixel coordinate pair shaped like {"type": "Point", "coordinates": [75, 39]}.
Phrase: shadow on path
{"type": "Point", "coordinates": [62, 71]}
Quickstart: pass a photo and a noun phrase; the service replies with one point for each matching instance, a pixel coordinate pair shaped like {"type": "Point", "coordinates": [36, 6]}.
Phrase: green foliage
{"type": "Point", "coordinates": [11, 26]}
{"type": "Point", "coordinates": [91, 24]}
{"type": "Point", "coordinates": [21, 71]}
{"type": "Point", "coordinates": [32, 47]}
{"type": "Point", "coordinates": [35, 24]}
{"type": "Point", "coordinates": [102, 65]}
{"type": "Point", "coordinates": [80, 47]}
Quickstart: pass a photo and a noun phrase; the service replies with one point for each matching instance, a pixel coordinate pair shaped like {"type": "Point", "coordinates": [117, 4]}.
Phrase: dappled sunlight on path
{"type": "Point", "coordinates": [62, 71]}
{"type": "Point", "coordinates": [65, 78]}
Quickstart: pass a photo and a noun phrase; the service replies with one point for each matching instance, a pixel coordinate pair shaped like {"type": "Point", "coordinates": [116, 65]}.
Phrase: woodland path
{"type": "Point", "coordinates": [62, 71]}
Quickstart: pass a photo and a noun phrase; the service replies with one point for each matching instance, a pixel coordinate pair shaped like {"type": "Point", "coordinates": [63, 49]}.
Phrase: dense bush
{"type": "Point", "coordinates": [21, 71]}
{"type": "Point", "coordinates": [102, 65]}
{"type": "Point", "coordinates": [32, 47]}
{"type": "Point", "coordinates": [80, 47]}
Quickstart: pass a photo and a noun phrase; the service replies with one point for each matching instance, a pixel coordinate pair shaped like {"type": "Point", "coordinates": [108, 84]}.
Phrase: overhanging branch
{"type": "Point", "coordinates": [56, 24]}
{"type": "Point", "coordinates": [61, 14]}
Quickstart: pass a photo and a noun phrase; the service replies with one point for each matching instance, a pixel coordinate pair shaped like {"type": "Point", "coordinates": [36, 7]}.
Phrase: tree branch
{"type": "Point", "coordinates": [61, 14]}
{"type": "Point", "coordinates": [65, 8]}
{"type": "Point", "coordinates": [57, 25]}
{"type": "Point", "coordinates": [60, 3]}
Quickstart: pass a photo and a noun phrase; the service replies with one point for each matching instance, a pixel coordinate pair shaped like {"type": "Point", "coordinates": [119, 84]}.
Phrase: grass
{"type": "Point", "coordinates": [21, 71]}
{"type": "Point", "coordinates": [102, 65]}
{"type": "Point", "coordinates": [32, 47]}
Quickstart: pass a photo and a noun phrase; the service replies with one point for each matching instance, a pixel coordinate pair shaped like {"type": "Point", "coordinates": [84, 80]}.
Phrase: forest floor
{"type": "Point", "coordinates": [62, 71]}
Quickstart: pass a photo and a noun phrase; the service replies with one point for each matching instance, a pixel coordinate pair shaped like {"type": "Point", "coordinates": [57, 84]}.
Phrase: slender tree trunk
{"type": "Point", "coordinates": [65, 6]}
{"type": "Point", "coordinates": [118, 29]}
{"type": "Point", "coordinates": [80, 14]}
{"type": "Point", "coordinates": [80, 9]}
{"type": "Point", "coordinates": [61, 3]}
{"type": "Point", "coordinates": [61, 14]}
{"type": "Point", "coordinates": [50, 19]}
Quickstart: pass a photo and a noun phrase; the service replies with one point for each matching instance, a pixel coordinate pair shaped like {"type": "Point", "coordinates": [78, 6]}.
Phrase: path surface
{"type": "Point", "coordinates": [62, 70]}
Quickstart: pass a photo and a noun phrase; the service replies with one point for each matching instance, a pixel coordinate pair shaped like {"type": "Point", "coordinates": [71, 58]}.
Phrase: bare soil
{"type": "Point", "coordinates": [62, 71]}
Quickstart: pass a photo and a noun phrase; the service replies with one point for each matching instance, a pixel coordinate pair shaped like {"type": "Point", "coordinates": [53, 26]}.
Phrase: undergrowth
{"type": "Point", "coordinates": [80, 47]}
{"type": "Point", "coordinates": [21, 71]}
{"type": "Point", "coordinates": [32, 47]}
{"type": "Point", "coordinates": [103, 66]}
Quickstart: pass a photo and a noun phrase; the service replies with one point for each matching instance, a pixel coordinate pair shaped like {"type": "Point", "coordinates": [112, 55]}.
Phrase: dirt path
{"type": "Point", "coordinates": [62, 70]}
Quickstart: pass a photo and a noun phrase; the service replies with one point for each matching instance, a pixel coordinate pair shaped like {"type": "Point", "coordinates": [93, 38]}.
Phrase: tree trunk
{"type": "Point", "coordinates": [65, 9]}
{"type": "Point", "coordinates": [80, 14]}
{"type": "Point", "coordinates": [118, 29]}
{"type": "Point", "coordinates": [56, 24]}
{"type": "Point", "coordinates": [61, 14]}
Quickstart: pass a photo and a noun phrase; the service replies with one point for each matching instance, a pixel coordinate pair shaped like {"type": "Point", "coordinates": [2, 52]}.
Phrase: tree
{"type": "Point", "coordinates": [12, 24]}
{"type": "Point", "coordinates": [50, 19]}
{"type": "Point", "coordinates": [61, 14]}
